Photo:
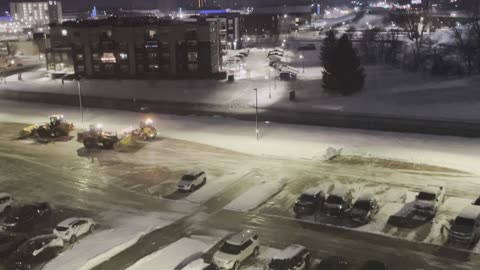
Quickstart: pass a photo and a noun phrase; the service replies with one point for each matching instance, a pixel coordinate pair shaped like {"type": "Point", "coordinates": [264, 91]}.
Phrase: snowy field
{"type": "Point", "coordinates": [102, 245]}
{"type": "Point", "coordinates": [277, 140]}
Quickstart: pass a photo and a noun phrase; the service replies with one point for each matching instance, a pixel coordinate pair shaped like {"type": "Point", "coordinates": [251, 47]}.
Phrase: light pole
{"type": "Point", "coordinates": [256, 111]}
{"type": "Point", "coordinates": [303, 62]}
{"type": "Point", "coordinates": [80, 97]}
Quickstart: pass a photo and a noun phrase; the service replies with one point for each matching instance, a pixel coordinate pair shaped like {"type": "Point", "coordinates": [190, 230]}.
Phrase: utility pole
{"type": "Point", "coordinates": [256, 111]}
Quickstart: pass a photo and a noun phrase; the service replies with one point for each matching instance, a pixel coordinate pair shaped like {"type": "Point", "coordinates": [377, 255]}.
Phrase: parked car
{"type": "Point", "coordinates": [308, 47]}
{"type": "Point", "coordinates": [365, 208]}
{"type": "Point", "coordinates": [309, 202]}
{"type": "Point", "coordinates": [465, 229]}
{"type": "Point", "coordinates": [294, 257]}
{"type": "Point", "coordinates": [477, 201]}
{"type": "Point", "coordinates": [73, 228]}
{"type": "Point", "coordinates": [9, 241]}
{"type": "Point", "coordinates": [287, 76]}
{"type": "Point", "coordinates": [191, 181]}
{"type": "Point", "coordinates": [373, 265]}
{"type": "Point", "coordinates": [24, 217]}
{"type": "Point", "coordinates": [338, 201]}
{"type": "Point", "coordinates": [244, 53]}
{"type": "Point", "coordinates": [236, 249]}
{"type": "Point", "coordinates": [35, 251]}
{"type": "Point", "coordinates": [334, 263]}
{"type": "Point", "coordinates": [6, 201]}
{"type": "Point", "coordinates": [429, 200]}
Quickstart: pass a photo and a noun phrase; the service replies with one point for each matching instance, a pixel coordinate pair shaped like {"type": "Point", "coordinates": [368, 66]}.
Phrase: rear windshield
{"type": "Point", "coordinates": [280, 264]}
{"type": "Point", "coordinates": [426, 196]}
{"type": "Point", "coordinates": [307, 198]}
{"type": "Point", "coordinates": [61, 229]}
{"type": "Point", "coordinates": [464, 222]}
{"type": "Point", "coordinates": [334, 199]}
{"type": "Point", "coordinates": [188, 177]}
{"type": "Point", "coordinates": [231, 249]}
{"type": "Point", "coordinates": [364, 205]}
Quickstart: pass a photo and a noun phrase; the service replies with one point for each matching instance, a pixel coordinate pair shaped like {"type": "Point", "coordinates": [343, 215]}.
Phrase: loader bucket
{"type": "Point", "coordinates": [28, 131]}
{"type": "Point", "coordinates": [125, 143]}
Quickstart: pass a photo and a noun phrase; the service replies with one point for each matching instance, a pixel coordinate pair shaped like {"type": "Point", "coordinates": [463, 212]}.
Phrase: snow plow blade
{"type": "Point", "coordinates": [28, 131]}
{"type": "Point", "coordinates": [125, 143]}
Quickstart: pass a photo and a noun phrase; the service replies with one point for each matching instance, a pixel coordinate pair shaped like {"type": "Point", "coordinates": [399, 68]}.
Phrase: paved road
{"type": "Point", "coordinates": [64, 174]}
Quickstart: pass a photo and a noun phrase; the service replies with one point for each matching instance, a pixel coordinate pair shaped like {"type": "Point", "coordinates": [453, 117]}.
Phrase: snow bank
{"type": "Point", "coordinates": [265, 256]}
{"type": "Point", "coordinates": [174, 254]}
{"type": "Point", "coordinates": [101, 246]}
{"type": "Point", "coordinates": [256, 195]}
{"type": "Point", "coordinates": [213, 187]}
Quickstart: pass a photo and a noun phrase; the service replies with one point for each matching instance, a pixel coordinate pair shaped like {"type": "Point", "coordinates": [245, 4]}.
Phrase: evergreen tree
{"type": "Point", "coordinates": [326, 56]}
{"type": "Point", "coordinates": [345, 75]}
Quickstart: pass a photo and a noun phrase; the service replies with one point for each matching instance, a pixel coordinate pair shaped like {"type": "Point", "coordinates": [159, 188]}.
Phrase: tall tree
{"type": "Point", "coordinates": [326, 56]}
{"type": "Point", "coordinates": [343, 72]}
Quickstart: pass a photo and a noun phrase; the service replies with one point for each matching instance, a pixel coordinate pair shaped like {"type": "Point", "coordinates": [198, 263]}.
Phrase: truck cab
{"type": "Point", "coordinates": [465, 228]}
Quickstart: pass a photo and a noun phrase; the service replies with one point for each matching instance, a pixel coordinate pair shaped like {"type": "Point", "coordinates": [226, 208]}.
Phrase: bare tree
{"type": "Point", "coordinates": [466, 43]}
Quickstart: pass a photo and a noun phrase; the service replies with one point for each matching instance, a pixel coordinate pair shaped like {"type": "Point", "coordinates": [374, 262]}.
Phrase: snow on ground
{"type": "Point", "coordinates": [265, 256]}
{"type": "Point", "coordinates": [278, 140]}
{"type": "Point", "coordinates": [174, 254]}
{"type": "Point", "coordinates": [257, 195]}
{"type": "Point", "coordinates": [94, 249]}
{"type": "Point", "coordinates": [214, 187]}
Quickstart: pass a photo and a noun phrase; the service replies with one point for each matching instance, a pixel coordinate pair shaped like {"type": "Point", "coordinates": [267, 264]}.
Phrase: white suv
{"type": "Point", "coordinates": [191, 181]}
{"type": "Point", "coordinates": [236, 249]}
{"type": "Point", "coordinates": [6, 201]}
{"type": "Point", "coordinates": [72, 228]}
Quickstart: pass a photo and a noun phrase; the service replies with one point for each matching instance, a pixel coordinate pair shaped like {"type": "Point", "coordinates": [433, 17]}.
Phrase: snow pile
{"type": "Point", "coordinates": [265, 256]}
{"type": "Point", "coordinates": [256, 195]}
{"type": "Point", "coordinates": [101, 246]}
{"type": "Point", "coordinates": [174, 254]}
{"type": "Point", "coordinates": [214, 187]}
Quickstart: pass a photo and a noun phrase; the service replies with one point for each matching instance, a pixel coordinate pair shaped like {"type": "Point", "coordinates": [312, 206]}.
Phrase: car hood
{"type": "Point", "coordinates": [223, 256]}
{"type": "Point", "coordinates": [358, 213]}
{"type": "Point", "coordinates": [424, 204]}
{"type": "Point", "coordinates": [184, 183]}
{"type": "Point", "coordinates": [332, 206]}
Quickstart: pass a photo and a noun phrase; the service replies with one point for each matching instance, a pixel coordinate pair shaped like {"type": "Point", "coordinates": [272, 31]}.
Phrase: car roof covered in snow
{"type": "Point", "coordinates": [193, 172]}
{"type": "Point", "coordinates": [241, 237]}
{"type": "Point", "coordinates": [288, 252]}
{"type": "Point", "coordinates": [366, 196]}
{"type": "Point", "coordinates": [69, 221]}
{"type": "Point", "coordinates": [430, 189]}
{"type": "Point", "coordinates": [3, 195]}
{"type": "Point", "coordinates": [339, 191]}
{"type": "Point", "coordinates": [312, 191]}
{"type": "Point", "coordinates": [470, 212]}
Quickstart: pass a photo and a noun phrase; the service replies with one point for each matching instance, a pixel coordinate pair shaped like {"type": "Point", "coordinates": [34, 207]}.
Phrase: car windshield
{"type": "Point", "coordinates": [231, 249]}
{"type": "Point", "coordinates": [276, 264]}
{"type": "Point", "coordinates": [426, 196]}
{"type": "Point", "coordinates": [188, 177]}
{"type": "Point", "coordinates": [333, 199]}
{"type": "Point", "coordinates": [307, 198]}
{"type": "Point", "coordinates": [363, 205]}
{"type": "Point", "coordinates": [61, 228]}
{"type": "Point", "coordinates": [459, 221]}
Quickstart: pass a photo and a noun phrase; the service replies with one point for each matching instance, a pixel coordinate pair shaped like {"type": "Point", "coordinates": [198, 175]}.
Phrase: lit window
{"type": "Point", "coordinates": [64, 32]}
{"type": "Point", "coordinates": [123, 56]}
{"type": "Point", "coordinates": [108, 58]}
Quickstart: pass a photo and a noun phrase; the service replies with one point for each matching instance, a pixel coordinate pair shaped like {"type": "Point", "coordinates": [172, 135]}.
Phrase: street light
{"type": "Point", "coordinates": [303, 62]}
{"type": "Point", "coordinates": [80, 97]}
{"type": "Point", "coordinates": [256, 111]}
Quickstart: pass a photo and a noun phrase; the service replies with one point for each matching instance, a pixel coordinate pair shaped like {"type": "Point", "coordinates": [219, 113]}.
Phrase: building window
{"type": "Point", "coordinates": [80, 57]}
{"type": "Point", "coordinates": [140, 56]}
{"type": "Point", "coordinates": [96, 68]}
{"type": "Point", "coordinates": [108, 58]}
{"type": "Point", "coordinates": [109, 68]}
{"type": "Point", "coordinates": [140, 68]}
{"type": "Point", "coordinates": [123, 56]}
{"type": "Point", "coordinates": [151, 34]}
{"type": "Point", "coordinates": [122, 45]}
{"type": "Point", "coordinates": [49, 56]}
{"type": "Point", "coordinates": [80, 68]}
{"type": "Point", "coordinates": [153, 67]}
{"type": "Point", "coordinates": [153, 56]}
{"type": "Point", "coordinates": [64, 33]}
{"type": "Point", "coordinates": [57, 57]}
{"type": "Point", "coordinates": [124, 68]}
{"type": "Point", "coordinates": [95, 57]}
{"type": "Point", "coordinates": [192, 57]}
{"type": "Point", "coordinates": [151, 44]}
{"type": "Point", "coordinates": [165, 57]}
{"type": "Point", "coordinates": [192, 67]}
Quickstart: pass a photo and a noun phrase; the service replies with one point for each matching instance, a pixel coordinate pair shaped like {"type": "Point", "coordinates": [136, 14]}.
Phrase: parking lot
{"type": "Point", "coordinates": [241, 191]}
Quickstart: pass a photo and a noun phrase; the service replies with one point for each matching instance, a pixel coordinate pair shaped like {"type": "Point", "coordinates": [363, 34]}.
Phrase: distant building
{"type": "Point", "coordinates": [140, 47]}
{"type": "Point", "coordinates": [36, 13]}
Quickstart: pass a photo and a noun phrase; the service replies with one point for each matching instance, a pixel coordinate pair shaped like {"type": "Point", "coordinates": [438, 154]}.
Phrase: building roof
{"type": "Point", "coordinates": [127, 21]}
{"type": "Point", "coordinates": [470, 212]}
